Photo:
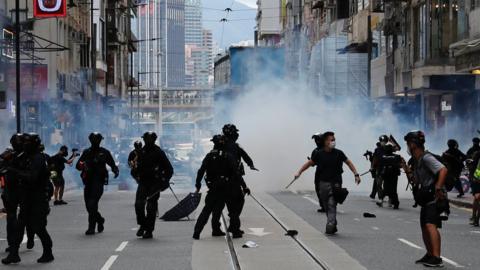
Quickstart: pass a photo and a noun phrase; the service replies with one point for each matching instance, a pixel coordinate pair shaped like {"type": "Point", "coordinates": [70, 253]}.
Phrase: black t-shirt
{"type": "Point", "coordinates": [329, 165]}
{"type": "Point", "coordinates": [58, 163]}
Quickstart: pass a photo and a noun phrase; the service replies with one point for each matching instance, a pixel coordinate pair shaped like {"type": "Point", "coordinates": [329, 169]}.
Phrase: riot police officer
{"type": "Point", "coordinates": [455, 159]}
{"type": "Point", "coordinates": [154, 173]}
{"type": "Point", "coordinates": [33, 180]}
{"type": "Point", "coordinates": [389, 169]}
{"type": "Point", "coordinates": [92, 163]}
{"type": "Point", "coordinates": [377, 156]}
{"type": "Point", "coordinates": [237, 188]}
{"type": "Point", "coordinates": [11, 192]}
{"type": "Point", "coordinates": [220, 169]}
{"type": "Point", "coordinates": [319, 141]}
{"type": "Point", "coordinates": [133, 159]}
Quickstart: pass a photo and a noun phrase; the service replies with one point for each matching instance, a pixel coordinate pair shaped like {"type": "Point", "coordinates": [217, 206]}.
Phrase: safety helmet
{"type": "Point", "coordinates": [383, 139]}
{"type": "Point", "coordinates": [476, 140]}
{"type": "Point", "coordinates": [417, 137]}
{"type": "Point", "coordinates": [317, 136]}
{"type": "Point", "coordinates": [452, 143]}
{"type": "Point", "coordinates": [229, 130]}
{"type": "Point", "coordinates": [95, 137]}
{"type": "Point", "coordinates": [217, 139]}
{"type": "Point", "coordinates": [137, 144]}
{"type": "Point", "coordinates": [149, 135]}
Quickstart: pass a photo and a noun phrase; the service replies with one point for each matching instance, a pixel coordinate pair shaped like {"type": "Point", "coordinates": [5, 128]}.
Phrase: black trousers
{"type": "Point", "coordinates": [458, 186]}
{"type": "Point", "coordinates": [34, 210]}
{"type": "Point", "coordinates": [390, 189]}
{"type": "Point", "coordinates": [92, 193]}
{"type": "Point", "coordinates": [11, 201]}
{"type": "Point", "coordinates": [145, 207]}
{"type": "Point", "coordinates": [235, 201]}
{"type": "Point", "coordinates": [374, 189]}
{"type": "Point", "coordinates": [214, 204]}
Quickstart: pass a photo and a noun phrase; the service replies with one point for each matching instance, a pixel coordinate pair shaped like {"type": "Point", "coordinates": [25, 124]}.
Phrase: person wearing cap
{"type": "Point", "coordinates": [92, 163]}
{"type": "Point", "coordinates": [153, 166]}
{"type": "Point", "coordinates": [219, 166]}
{"type": "Point", "coordinates": [429, 175]}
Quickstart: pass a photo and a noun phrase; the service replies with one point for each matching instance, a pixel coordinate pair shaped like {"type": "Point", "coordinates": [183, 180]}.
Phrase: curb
{"type": "Point", "coordinates": [461, 203]}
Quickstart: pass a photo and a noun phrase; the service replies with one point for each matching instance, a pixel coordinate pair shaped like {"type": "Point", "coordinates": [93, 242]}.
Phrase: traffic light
{"type": "Point", "coordinates": [49, 8]}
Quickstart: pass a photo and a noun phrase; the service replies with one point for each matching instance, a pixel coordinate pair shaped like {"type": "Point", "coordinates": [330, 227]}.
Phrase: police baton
{"type": "Point", "coordinates": [365, 172]}
{"type": "Point", "coordinates": [294, 179]}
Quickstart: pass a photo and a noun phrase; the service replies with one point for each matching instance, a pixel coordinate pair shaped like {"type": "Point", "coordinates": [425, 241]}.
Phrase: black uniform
{"type": "Point", "coordinates": [389, 170]}
{"type": "Point", "coordinates": [153, 167]}
{"type": "Point", "coordinates": [455, 159]}
{"type": "Point", "coordinates": [378, 182]}
{"type": "Point", "coordinates": [34, 184]}
{"type": "Point", "coordinates": [95, 176]}
{"type": "Point", "coordinates": [11, 193]}
{"type": "Point", "coordinates": [133, 158]}
{"type": "Point", "coordinates": [220, 168]}
{"type": "Point", "coordinates": [235, 190]}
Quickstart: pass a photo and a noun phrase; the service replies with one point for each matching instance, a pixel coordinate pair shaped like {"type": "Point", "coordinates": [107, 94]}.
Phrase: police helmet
{"type": "Point", "coordinates": [137, 144]}
{"type": "Point", "coordinates": [150, 135]}
{"type": "Point", "coordinates": [229, 130]}
{"type": "Point", "coordinates": [216, 139]}
{"type": "Point", "coordinates": [32, 138]}
{"type": "Point", "coordinates": [452, 143]}
{"type": "Point", "coordinates": [476, 140]}
{"type": "Point", "coordinates": [389, 148]}
{"type": "Point", "coordinates": [383, 139]}
{"type": "Point", "coordinates": [15, 137]}
{"type": "Point", "coordinates": [317, 136]}
{"type": "Point", "coordinates": [95, 137]}
{"type": "Point", "coordinates": [417, 137]}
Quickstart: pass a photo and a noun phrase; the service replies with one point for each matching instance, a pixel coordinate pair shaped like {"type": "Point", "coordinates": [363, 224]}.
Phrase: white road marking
{"type": "Point", "coordinates": [122, 246]}
{"type": "Point", "coordinates": [316, 203]}
{"type": "Point", "coordinates": [109, 262]}
{"type": "Point", "coordinates": [356, 219]}
{"type": "Point", "coordinates": [134, 229]}
{"type": "Point", "coordinates": [2, 239]}
{"type": "Point", "coordinates": [447, 260]}
{"type": "Point", "coordinates": [311, 200]}
{"type": "Point", "coordinates": [258, 232]}
{"type": "Point", "coordinates": [409, 243]}
{"type": "Point", "coordinates": [461, 208]}
{"type": "Point", "coordinates": [475, 232]}
{"type": "Point", "coordinates": [375, 228]}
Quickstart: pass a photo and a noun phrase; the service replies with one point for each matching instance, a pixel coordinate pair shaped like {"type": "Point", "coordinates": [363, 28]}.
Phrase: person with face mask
{"type": "Point", "coordinates": [430, 175]}
{"type": "Point", "coordinates": [237, 189]}
{"type": "Point", "coordinates": [220, 169]}
{"type": "Point", "coordinates": [377, 156]}
{"type": "Point", "coordinates": [153, 168]}
{"type": "Point", "coordinates": [455, 160]}
{"type": "Point", "coordinates": [329, 163]}
{"type": "Point", "coordinates": [57, 165]}
{"type": "Point", "coordinates": [33, 179]}
{"type": "Point", "coordinates": [92, 163]}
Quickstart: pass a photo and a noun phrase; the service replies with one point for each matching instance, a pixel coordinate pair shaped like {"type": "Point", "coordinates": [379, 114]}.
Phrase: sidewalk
{"type": "Point", "coordinates": [466, 201]}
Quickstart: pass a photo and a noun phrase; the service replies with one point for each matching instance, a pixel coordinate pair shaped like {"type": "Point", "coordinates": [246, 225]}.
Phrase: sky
{"type": "Point", "coordinates": [242, 23]}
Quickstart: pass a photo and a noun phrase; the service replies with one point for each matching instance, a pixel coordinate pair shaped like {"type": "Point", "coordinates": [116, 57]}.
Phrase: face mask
{"type": "Point", "coordinates": [333, 144]}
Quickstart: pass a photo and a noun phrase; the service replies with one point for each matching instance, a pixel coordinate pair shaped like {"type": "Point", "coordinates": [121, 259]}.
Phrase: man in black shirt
{"type": "Point", "coordinates": [377, 156]}
{"type": "Point", "coordinates": [133, 159]}
{"type": "Point", "coordinates": [329, 163]}
{"type": "Point", "coordinates": [57, 163]}
{"type": "Point", "coordinates": [153, 168]}
{"type": "Point", "coordinates": [475, 148]}
{"type": "Point", "coordinates": [220, 169]}
{"type": "Point", "coordinates": [92, 163]}
{"type": "Point", "coordinates": [455, 159]}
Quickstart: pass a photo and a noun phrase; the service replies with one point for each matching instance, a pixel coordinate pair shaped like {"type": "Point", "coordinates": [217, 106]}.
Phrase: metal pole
{"type": "Point", "coordinates": [93, 36]}
{"type": "Point", "coordinates": [138, 99]}
{"type": "Point", "coordinates": [17, 63]}
{"type": "Point", "coordinates": [369, 51]}
{"type": "Point", "coordinates": [131, 86]}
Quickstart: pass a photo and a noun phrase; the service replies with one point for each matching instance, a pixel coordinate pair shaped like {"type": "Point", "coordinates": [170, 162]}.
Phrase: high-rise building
{"type": "Point", "coordinates": [172, 23]}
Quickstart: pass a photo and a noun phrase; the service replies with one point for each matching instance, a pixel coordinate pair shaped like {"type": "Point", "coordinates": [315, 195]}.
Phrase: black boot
{"type": "Point", "coordinates": [91, 229]}
{"type": "Point", "coordinates": [100, 227]}
{"type": "Point", "coordinates": [148, 235]}
{"type": "Point", "coordinates": [11, 258]}
{"type": "Point", "coordinates": [141, 231]}
{"type": "Point", "coordinates": [218, 233]}
{"type": "Point", "coordinates": [47, 256]}
{"type": "Point", "coordinates": [196, 235]}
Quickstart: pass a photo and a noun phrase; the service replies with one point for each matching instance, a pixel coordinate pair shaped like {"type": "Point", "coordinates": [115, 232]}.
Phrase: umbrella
{"type": "Point", "coordinates": [183, 208]}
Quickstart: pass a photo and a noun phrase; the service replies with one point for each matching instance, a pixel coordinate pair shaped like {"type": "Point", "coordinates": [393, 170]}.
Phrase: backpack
{"type": "Point", "coordinates": [390, 166]}
{"type": "Point", "coordinates": [450, 178]}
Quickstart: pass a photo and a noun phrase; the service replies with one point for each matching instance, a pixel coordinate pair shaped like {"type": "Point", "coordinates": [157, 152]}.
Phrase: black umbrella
{"type": "Point", "coordinates": [184, 207]}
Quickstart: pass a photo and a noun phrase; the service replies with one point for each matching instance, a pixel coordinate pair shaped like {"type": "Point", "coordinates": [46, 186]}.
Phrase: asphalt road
{"type": "Point", "coordinates": [390, 241]}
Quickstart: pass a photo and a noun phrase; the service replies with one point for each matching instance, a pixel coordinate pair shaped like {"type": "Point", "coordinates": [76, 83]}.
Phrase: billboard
{"type": "Point", "coordinates": [49, 8]}
{"type": "Point", "coordinates": [33, 82]}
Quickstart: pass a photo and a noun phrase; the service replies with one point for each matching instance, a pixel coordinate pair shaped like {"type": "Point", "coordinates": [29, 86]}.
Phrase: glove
{"type": "Point", "coordinates": [116, 173]}
{"type": "Point", "coordinates": [246, 191]}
